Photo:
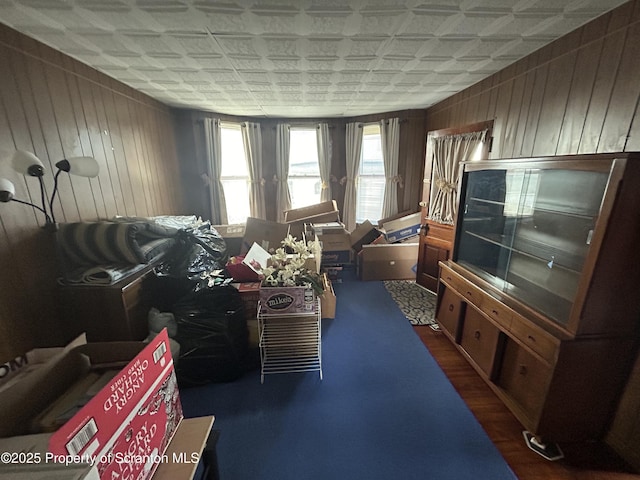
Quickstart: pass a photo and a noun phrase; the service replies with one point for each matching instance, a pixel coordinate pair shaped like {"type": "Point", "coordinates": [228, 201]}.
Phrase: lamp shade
{"type": "Point", "coordinates": [7, 190]}
{"type": "Point", "coordinates": [27, 163]}
{"type": "Point", "coordinates": [81, 166]}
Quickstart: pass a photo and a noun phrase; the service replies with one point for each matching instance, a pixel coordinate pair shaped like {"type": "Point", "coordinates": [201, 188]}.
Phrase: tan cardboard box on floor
{"type": "Point", "coordinates": [328, 298]}
{"type": "Point", "coordinates": [396, 261]}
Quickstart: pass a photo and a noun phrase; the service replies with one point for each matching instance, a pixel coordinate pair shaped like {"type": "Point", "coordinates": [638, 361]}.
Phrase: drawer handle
{"type": "Point", "coordinates": [476, 334]}
{"type": "Point", "coordinates": [469, 294]}
{"type": "Point", "coordinates": [448, 279]}
{"type": "Point", "coordinates": [495, 312]}
{"type": "Point", "coordinates": [451, 307]}
{"type": "Point", "coordinates": [522, 369]}
{"type": "Point", "coordinates": [532, 338]}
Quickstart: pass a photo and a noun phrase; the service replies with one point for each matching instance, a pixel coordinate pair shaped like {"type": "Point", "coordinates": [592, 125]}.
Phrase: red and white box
{"type": "Point", "coordinates": [126, 428]}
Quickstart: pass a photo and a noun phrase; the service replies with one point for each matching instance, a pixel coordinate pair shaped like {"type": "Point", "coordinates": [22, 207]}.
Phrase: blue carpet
{"type": "Point", "coordinates": [384, 410]}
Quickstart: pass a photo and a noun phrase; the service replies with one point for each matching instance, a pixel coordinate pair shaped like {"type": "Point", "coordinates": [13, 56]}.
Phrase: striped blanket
{"type": "Point", "coordinates": [120, 242]}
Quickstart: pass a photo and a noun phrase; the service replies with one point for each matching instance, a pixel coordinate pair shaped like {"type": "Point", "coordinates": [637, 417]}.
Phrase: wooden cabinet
{"type": "Point", "coordinates": [436, 241]}
{"type": "Point", "coordinates": [109, 312]}
{"type": "Point", "coordinates": [540, 293]}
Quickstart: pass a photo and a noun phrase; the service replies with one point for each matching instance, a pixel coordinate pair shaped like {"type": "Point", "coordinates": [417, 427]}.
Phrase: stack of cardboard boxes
{"type": "Point", "coordinates": [387, 251]}
{"type": "Point", "coordinates": [394, 255]}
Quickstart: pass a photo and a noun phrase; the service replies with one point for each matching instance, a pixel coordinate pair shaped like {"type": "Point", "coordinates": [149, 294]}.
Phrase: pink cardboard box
{"type": "Point", "coordinates": [278, 300]}
{"type": "Point", "coordinates": [127, 426]}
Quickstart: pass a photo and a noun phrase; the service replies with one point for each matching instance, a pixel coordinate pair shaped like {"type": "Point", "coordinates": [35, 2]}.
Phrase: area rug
{"type": "Point", "coordinates": [416, 303]}
{"type": "Point", "coordinates": [383, 409]}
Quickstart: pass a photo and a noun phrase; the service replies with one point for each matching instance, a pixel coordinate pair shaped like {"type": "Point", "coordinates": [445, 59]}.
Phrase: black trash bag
{"type": "Point", "coordinates": [198, 251]}
{"type": "Point", "coordinates": [213, 336]}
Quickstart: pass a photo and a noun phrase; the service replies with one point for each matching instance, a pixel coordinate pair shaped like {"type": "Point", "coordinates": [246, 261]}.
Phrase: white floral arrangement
{"type": "Point", "coordinates": [289, 270]}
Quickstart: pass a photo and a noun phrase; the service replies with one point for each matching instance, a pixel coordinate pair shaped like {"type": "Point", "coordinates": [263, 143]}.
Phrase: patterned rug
{"type": "Point", "coordinates": [417, 303]}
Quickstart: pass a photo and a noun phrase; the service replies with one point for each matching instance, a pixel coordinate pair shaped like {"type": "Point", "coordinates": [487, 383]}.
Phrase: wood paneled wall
{"type": "Point", "coordinates": [411, 155]}
{"type": "Point", "coordinates": [56, 107]}
{"type": "Point", "coordinates": [578, 94]}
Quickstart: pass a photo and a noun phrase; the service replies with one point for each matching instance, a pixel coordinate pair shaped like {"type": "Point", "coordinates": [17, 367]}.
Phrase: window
{"type": "Point", "coordinates": [371, 178]}
{"type": "Point", "coordinates": [304, 170]}
{"type": "Point", "coordinates": [234, 177]}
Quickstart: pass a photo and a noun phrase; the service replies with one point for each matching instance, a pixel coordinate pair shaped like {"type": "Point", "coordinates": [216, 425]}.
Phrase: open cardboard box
{"type": "Point", "coordinates": [138, 411]}
{"type": "Point", "coordinates": [322, 212]}
{"type": "Point", "coordinates": [267, 234]}
{"type": "Point", "coordinates": [399, 229]}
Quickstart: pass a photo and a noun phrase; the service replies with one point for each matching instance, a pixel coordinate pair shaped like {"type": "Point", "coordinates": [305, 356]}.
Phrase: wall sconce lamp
{"type": "Point", "coordinates": [28, 164]}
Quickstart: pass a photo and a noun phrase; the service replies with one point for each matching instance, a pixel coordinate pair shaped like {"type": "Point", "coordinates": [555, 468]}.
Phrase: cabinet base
{"type": "Point", "coordinates": [550, 451]}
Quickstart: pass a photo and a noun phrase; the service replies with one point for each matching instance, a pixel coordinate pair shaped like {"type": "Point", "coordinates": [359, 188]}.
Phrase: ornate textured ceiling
{"type": "Point", "coordinates": [309, 58]}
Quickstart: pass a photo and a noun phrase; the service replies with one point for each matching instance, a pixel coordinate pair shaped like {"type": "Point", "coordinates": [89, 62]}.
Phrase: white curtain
{"type": "Point", "coordinates": [448, 152]}
{"type": "Point", "coordinates": [390, 137]}
{"type": "Point", "coordinates": [213, 152]}
{"type": "Point", "coordinates": [252, 140]}
{"type": "Point", "coordinates": [324, 160]}
{"type": "Point", "coordinates": [353, 143]}
{"type": "Point", "coordinates": [283, 197]}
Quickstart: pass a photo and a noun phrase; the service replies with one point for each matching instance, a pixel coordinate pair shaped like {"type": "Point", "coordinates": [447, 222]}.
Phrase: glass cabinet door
{"type": "Point", "coordinates": [528, 231]}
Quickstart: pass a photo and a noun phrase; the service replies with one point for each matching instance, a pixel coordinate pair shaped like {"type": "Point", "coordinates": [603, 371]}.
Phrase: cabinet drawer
{"type": "Point", "coordinates": [535, 338]}
{"type": "Point", "coordinates": [463, 286]}
{"type": "Point", "coordinates": [497, 311]}
{"type": "Point", "coordinates": [480, 339]}
{"type": "Point", "coordinates": [448, 315]}
{"type": "Point", "coordinates": [524, 378]}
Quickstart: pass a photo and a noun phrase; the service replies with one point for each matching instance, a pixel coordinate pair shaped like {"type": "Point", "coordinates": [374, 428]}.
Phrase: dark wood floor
{"type": "Point", "coordinates": [581, 462]}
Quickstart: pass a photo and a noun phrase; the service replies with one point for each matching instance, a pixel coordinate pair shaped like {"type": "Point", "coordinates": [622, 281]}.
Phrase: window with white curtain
{"type": "Point", "coordinates": [371, 179]}
{"type": "Point", "coordinates": [304, 170]}
{"type": "Point", "coordinates": [234, 177]}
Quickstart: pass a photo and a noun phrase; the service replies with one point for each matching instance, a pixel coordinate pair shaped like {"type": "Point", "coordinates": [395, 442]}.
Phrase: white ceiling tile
{"type": "Point", "coordinates": [310, 57]}
{"type": "Point", "coordinates": [213, 62]}
{"type": "Point", "coordinates": [322, 64]}
{"type": "Point", "coordinates": [196, 44]}
{"type": "Point", "coordinates": [393, 63]}
{"type": "Point", "coordinates": [428, 22]}
{"type": "Point", "coordinates": [359, 63]}
{"type": "Point", "coordinates": [285, 63]}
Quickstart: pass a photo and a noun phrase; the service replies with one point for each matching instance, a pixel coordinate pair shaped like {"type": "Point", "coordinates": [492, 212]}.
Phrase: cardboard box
{"type": "Point", "coordinates": [233, 236]}
{"type": "Point", "coordinates": [20, 367]}
{"type": "Point", "coordinates": [240, 271]}
{"type": "Point", "coordinates": [35, 464]}
{"type": "Point", "coordinates": [336, 249]}
{"type": "Point", "coordinates": [404, 227]}
{"type": "Point", "coordinates": [363, 234]}
{"type": "Point", "coordinates": [269, 235]}
{"type": "Point", "coordinates": [250, 295]}
{"type": "Point", "coordinates": [25, 399]}
{"type": "Point", "coordinates": [396, 261]}
{"type": "Point", "coordinates": [128, 425]}
{"type": "Point", "coordinates": [328, 299]}
{"type": "Point", "coordinates": [333, 272]}
{"type": "Point", "coordinates": [279, 300]}
{"type": "Point", "coordinates": [327, 228]}
{"type": "Point", "coordinates": [319, 213]}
